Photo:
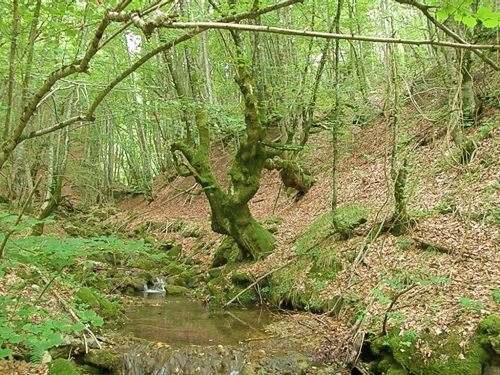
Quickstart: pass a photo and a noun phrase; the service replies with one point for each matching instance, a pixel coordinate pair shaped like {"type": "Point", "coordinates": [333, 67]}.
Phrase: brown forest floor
{"type": "Point", "coordinates": [472, 263]}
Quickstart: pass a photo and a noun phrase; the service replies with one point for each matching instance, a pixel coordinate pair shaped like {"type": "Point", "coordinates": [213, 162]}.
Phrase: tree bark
{"type": "Point", "coordinates": [230, 214]}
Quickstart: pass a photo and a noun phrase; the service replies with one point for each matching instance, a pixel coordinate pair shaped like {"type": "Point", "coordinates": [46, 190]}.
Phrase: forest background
{"type": "Point", "coordinates": [102, 101]}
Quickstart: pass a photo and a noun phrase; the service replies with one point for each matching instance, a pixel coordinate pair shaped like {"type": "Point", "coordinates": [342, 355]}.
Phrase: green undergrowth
{"type": "Point", "coordinates": [33, 319]}
{"type": "Point", "coordinates": [299, 285]}
{"type": "Point", "coordinates": [410, 353]}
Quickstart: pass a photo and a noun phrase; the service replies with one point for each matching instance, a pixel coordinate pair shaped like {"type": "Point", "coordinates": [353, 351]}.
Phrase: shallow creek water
{"type": "Point", "coordinates": [187, 338]}
{"type": "Point", "coordinates": [179, 321]}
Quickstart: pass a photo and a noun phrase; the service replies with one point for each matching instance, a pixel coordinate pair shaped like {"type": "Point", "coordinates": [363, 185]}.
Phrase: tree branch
{"type": "Point", "coordinates": [80, 66]}
{"type": "Point", "coordinates": [183, 38]}
{"type": "Point", "coordinates": [316, 34]}
{"type": "Point", "coordinates": [475, 49]}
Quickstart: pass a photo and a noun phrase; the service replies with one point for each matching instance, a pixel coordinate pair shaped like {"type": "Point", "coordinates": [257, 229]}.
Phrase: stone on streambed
{"type": "Point", "coordinates": [159, 358]}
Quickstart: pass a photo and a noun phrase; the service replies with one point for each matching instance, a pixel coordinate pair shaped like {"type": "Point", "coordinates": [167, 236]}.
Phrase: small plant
{"type": "Point", "coordinates": [409, 339]}
{"type": "Point", "coordinates": [319, 286]}
{"type": "Point", "coordinates": [23, 323]}
{"type": "Point", "coordinates": [496, 295]}
{"type": "Point", "coordinates": [403, 243]}
{"type": "Point", "coordinates": [177, 226]}
{"type": "Point", "coordinates": [471, 305]}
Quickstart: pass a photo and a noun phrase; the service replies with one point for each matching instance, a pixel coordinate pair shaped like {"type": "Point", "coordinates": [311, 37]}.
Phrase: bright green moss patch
{"type": "Point", "coordinates": [175, 269]}
{"type": "Point", "coordinates": [62, 367]}
{"type": "Point", "coordinates": [107, 310]}
{"type": "Point", "coordinates": [402, 354]}
{"type": "Point", "coordinates": [175, 289]}
{"type": "Point", "coordinates": [103, 358]}
{"type": "Point", "coordinates": [227, 252]}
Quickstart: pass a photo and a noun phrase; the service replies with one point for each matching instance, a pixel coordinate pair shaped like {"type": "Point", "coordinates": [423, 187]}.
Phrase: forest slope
{"type": "Point", "coordinates": [454, 246]}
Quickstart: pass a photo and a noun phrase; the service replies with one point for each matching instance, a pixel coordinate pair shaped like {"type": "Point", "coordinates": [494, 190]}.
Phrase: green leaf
{"type": "Point", "coordinates": [6, 330]}
{"type": "Point", "coordinates": [77, 327]}
{"type": "Point", "coordinates": [442, 14]}
{"type": "Point", "coordinates": [5, 352]}
{"type": "Point", "coordinates": [48, 341]}
{"type": "Point", "coordinates": [71, 32]}
{"type": "Point", "coordinates": [469, 21]}
{"type": "Point", "coordinates": [483, 12]}
{"type": "Point", "coordinates": [490, 23]}
{"type": "Point", "coordinates": [97, 321]}
{"type": "Point", "coordinates": [496, 295]}
{"type": "Point", "coordinates": [17, 339]}
{"type": "Point", "coordinates": [27, 311]}
{"type": "Point", "coordinates": [384, 299]}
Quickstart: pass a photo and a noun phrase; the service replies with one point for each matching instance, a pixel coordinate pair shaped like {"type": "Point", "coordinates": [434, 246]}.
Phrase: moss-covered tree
{"type": "Point", "coordinates": [230, 213]}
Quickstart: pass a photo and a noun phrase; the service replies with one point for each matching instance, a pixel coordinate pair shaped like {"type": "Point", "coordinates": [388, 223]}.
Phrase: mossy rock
{"type": "Point", "coordinates": [488, 334]}
{"type": "Point", "coordinates": [323, 306]}
{"type": "Point", "coordinates": [62, 367]}
{"type": "Point", "coordinates": [175, 269]}
{"type": "Point", "coordinates": [146, 276]}
{"type": "Point", "coordinates": [91, 370]}
{"type": "Point", "coordinates": [89, 298]}
{"type": "Point", "coordinates": [134, 283]}
{"type": "Point", "coordinates": [175, 251]}
{"type": "Point", "coordinates": [186, 278]}
{"type": "Point", "coordinates": [102, 358]}
{"type": "Point", "coordinates": [320, 228]}
{"type": "Point", "coordinates": [241, 278]}
{"type": "Point", "coordinates": [113, 272]}
{"type": "Point", "coordinates": [214, 273]}
{"type": "Point", "coordinates": [143, 264]}
{"type": "Point", "coordinates": [175, 289]}
{"type": "Point", "coordinates": [227, 252]}
{"type": "Point", "coordinates": [447, 354]}
{"type": "Point", "coordinates": [106, 309]}
{"type": "Point", "coordinates": [348, 218]}
{"type": "Point", "coordinates": [325, 265]}
{"type": "Point", "coordinates": [216, 285]}
{"type": "Point", "coordinates": [247, 298]}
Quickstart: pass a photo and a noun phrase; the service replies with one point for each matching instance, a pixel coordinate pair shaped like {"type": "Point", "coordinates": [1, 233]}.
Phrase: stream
{"type": "Point", "coordinates": [180, 321]}
{"type": "Point", "coordinates": [187, 338]}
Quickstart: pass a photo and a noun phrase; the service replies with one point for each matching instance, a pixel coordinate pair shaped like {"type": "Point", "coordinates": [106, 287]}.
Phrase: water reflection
{"type": "Point", "coordinates": [179, 321]}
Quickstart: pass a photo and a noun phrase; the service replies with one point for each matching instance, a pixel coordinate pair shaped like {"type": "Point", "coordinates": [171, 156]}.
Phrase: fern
{"type": "Point", "coordinates": [36, 354]}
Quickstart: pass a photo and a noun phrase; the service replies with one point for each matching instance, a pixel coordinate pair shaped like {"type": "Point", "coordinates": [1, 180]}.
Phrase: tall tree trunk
{"type": "Point", "coordinates": [20, 182]}
{"type": "Point", "coordinates": [400, 221]}
{"type": "Point", "coordinates": [109, 160]}
{"type": "Point", "coordinates": [336, 123]}
{"type": "Point", "coordinates": [230, 213]}
{"type": "Point", "coordinates": [57, 167]}
{"type": "Point", "coordinates": [57, 161]}
{"type": "Point", "coordinates": [12, 71]}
